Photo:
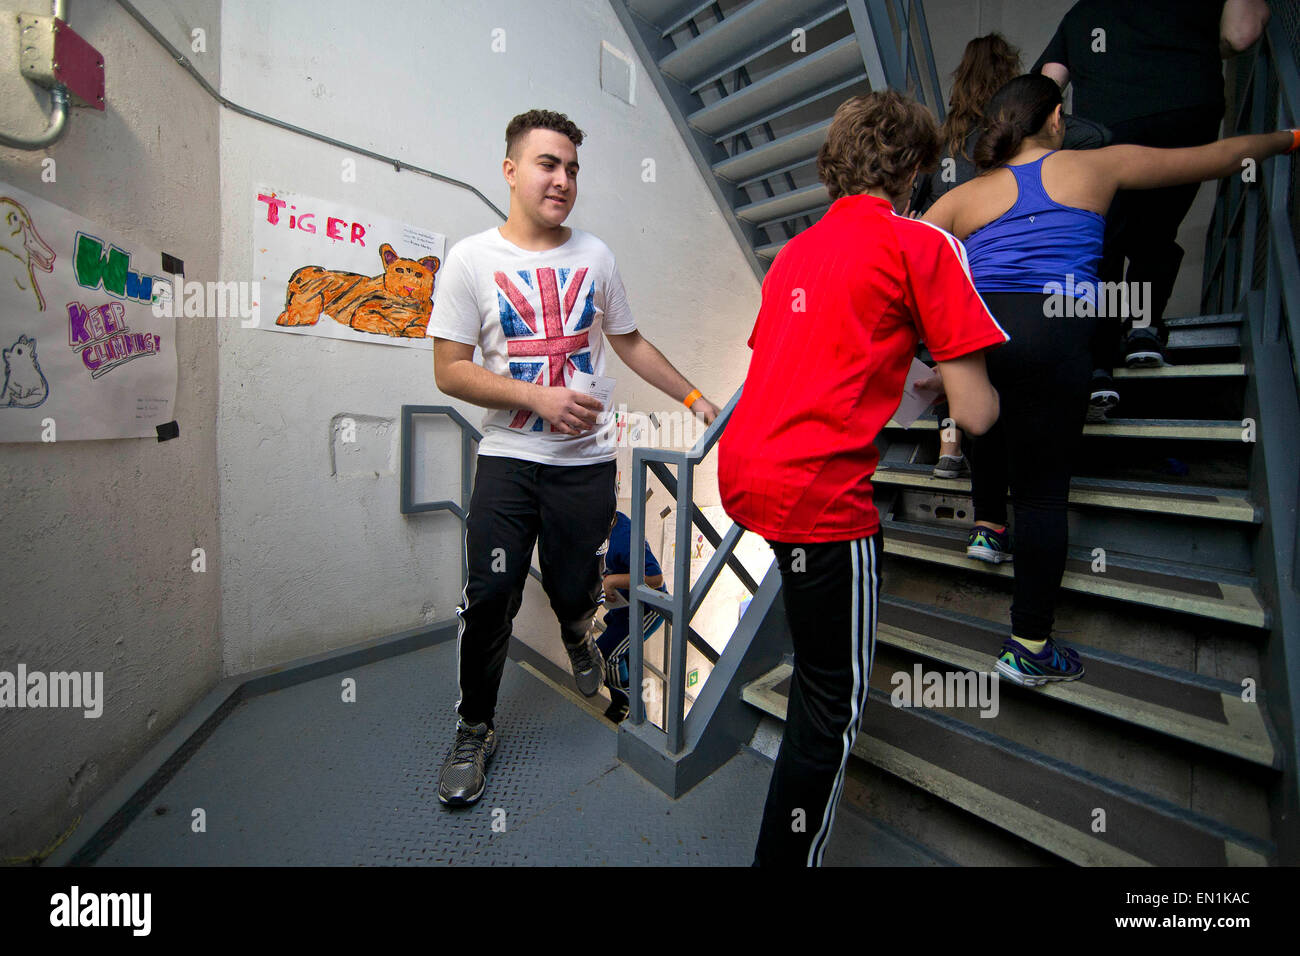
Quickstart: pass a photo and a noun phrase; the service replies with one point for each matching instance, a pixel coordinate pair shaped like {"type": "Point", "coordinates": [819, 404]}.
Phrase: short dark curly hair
{"type": "Point", "coordinates": [875, 141]}
{"type": "Point", "coordinates": [540, 119]}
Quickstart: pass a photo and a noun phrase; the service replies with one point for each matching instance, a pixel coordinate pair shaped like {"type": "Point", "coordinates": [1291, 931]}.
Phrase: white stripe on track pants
{"type": "Point", "coordinates": [831, 591]}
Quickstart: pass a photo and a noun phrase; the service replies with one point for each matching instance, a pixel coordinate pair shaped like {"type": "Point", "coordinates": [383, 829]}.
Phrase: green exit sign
{"type": "Point", "coordinates": [692, 677]}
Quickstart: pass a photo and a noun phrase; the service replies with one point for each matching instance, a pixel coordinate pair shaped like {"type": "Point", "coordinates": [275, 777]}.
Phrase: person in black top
{"type": "Point", "coordinates": [1152, 73]}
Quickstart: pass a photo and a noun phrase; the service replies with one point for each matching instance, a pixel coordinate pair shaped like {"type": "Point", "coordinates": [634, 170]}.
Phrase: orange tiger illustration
{"type": "Point", "coordinates": [397, 302]}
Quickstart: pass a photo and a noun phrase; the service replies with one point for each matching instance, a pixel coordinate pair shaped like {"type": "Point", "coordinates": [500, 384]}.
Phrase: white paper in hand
{"type": "Point", "coordinates": [915, 401]}
{"type": "Point", "coordinates": [599, 387]}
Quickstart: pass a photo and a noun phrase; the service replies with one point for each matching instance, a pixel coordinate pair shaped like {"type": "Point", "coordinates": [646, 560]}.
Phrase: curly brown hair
{"type": "Point", "coordinates": [519, 127]}
{"type": "Point", "coordinates": [986, 65]}
{"type": "Point", "coordinates": [877, 141]}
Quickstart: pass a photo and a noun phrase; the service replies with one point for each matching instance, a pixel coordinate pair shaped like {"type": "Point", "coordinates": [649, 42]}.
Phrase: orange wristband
{"type": "Point", "coordinates": [1295, 140]}
{"type": "Point", "coordinates": [693, 397]}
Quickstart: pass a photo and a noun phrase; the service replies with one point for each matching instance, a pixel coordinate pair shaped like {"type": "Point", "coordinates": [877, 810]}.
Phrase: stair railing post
{"type": "Point", "coordinates": [635, 671]}
{"type": "Point", "coordinates": [676, 689]}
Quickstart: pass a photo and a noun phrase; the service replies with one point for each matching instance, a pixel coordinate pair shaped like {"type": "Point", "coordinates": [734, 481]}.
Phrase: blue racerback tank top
{"type": "Point", "coordinates": [1037, 241]}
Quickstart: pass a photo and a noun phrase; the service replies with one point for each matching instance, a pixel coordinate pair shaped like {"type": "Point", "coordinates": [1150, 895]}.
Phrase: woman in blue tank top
{"type": "Point", "coordinates": [1033, 224]}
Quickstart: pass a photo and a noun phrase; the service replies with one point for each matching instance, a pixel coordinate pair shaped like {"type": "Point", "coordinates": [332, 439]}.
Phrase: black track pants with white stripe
{"type": "Point", "coordinates": [831, 592]}
{"type": "Point", "coordinates": [566, 510]}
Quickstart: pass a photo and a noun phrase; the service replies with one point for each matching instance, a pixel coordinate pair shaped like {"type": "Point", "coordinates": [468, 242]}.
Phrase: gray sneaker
{"type": "Point", "coordinates": [588, 666]}
{"type": "Point", "coordinates": [463, 775]}
{"type": "Point", "coordinates": [952, 466]}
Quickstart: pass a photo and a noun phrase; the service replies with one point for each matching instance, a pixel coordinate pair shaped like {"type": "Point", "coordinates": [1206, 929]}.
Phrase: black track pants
{"type": "Point", "coordinates": [830, 592]}
{"type": "Point", "coordinates": [566, 510]}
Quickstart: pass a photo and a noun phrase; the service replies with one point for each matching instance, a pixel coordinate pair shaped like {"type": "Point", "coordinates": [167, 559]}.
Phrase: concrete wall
{"type": "Point", "coordinates": [97, 535]}
{"type": "Point", "coordinates": [1029, 25]}
{"type": "Point", "coordinates": [312, 561]}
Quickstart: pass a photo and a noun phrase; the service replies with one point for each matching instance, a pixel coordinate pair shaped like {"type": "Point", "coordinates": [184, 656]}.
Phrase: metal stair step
{"type": "Point", "coordinates": [1032, 795]}
{"type": "Point", "coordinates": [1226, 597]}
{"type": "Point", "coordinates": [1200, 710]}
{"type": "Point", "coordinates": [742, 36]}
{"type": "Point", "coordinates": [786, 152]}
{"type": "Point", "coordinates": [658, 12]}
{"type": "Point", "coordinates": [1187, 321]}
{"type": "Point", "coordinates": [1191, 429]}
{"type": "Point", "coordinates": [788, 205]}
{"type": "Point", "coordinates": [1212, 370]}
{"type": "Point", "coordinates": [672, 15]}
{"type": "Point", "coordinates": [1204, 337]}
{"type": "Point", "coordinates": [1185, 501]}
{"type": "Point", "coordinates": [814, 75]}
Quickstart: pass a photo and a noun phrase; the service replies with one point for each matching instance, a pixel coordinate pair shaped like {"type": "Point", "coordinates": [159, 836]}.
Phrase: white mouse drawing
{"type": "Point", "coordinates": [25, 384]}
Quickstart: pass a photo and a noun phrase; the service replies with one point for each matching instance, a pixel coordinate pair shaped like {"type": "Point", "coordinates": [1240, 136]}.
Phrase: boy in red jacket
{"type": "Point", "coordinates": [843, 308]}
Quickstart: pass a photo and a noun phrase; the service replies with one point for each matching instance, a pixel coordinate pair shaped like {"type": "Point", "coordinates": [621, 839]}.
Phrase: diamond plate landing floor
{"type": "Point", "coordinates": [298, 777]}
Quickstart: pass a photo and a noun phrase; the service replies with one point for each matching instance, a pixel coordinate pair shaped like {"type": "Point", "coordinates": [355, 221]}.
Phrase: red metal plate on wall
{"type": "Point", "coordinates": [78, 66]}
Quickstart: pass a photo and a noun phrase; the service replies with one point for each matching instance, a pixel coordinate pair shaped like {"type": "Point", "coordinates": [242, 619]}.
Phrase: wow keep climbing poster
{"type": "Point", "coordinates": [84, 355]}
{"type": "Point", "coordinates": [329, 269]}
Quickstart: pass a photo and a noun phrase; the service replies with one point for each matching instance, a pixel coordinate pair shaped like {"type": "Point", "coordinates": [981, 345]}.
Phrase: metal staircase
{"type": "Point", "coordinates": [752, 87]}
{"type": "Point", "coordinates": [1179, 747]}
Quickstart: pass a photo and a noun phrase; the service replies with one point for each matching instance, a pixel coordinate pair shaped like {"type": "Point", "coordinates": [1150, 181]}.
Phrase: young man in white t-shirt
{"type": "Point", "coordinates": [536, 296]}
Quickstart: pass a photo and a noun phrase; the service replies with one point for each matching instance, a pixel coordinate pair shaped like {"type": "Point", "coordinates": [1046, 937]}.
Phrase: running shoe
{"type": "Point", "coordinates": [1104, 398]}
{"type": "Point", "coordinates": [952, 466]}
{"type": "Point", "coordinates": [985, 544]}
{"type": "Point", "coordinates": [619, 705]}
{"type": "Point", "coordinates": [1057, 662]}
{"type": "Point", "coordinates": [588, 666]}
{"type": "Point", "coordinates": [1142, 350]}
{"type": "Point", "coordinates": [463, 775]}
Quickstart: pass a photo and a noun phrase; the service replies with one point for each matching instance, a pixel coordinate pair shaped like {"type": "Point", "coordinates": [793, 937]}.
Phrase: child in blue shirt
{"type": "Point", "coordinates": [615, 642]}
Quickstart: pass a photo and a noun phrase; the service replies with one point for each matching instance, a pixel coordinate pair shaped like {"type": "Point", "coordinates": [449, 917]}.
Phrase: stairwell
{"type": "Point", "coordinates": [1169, 751]}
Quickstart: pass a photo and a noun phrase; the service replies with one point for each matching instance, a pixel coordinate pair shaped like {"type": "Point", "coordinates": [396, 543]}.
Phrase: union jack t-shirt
{"type": "Point", "coordinates": [537, 317]}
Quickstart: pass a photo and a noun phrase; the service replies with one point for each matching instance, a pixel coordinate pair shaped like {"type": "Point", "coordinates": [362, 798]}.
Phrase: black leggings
{"type": "Point", "coordinates": [1042, 378]}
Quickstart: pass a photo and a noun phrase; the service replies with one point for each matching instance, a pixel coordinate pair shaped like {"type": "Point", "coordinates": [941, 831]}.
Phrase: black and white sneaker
{"type": "Point", "coordinates": [464, 772]}
{"type": "Point", "coordinates": [1104, 398]}
{"type": "Point", "coordinates": [1142, 350]}
{"type": "Point", "coordinates": [588, 666]}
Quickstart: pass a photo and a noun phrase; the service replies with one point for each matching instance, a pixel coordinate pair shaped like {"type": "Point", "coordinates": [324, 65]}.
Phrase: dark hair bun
{"type": "Point", "coordinates": [996, 144]}
{"type": "Point", "coordinates": [1019, 109]}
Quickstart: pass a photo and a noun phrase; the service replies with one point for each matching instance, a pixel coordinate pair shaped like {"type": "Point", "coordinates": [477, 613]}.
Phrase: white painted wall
{"type": "Point", "coordinates": [97, 535]}
{"type": "Point", "coordinates": [311, 561]}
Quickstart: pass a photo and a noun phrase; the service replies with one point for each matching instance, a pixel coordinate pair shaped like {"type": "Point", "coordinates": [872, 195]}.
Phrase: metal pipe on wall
{"type": "Point", "coordinates": [58, 106]}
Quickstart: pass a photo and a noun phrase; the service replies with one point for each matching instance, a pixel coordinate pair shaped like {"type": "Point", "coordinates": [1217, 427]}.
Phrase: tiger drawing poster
{"type": "Point", "coordinates": [345, 273]}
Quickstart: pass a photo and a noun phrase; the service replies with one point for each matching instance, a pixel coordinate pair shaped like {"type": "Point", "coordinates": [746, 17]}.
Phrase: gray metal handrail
{"type": "Point", "coordinates": [680, 605]}
{"type": "Point", "coordinates": [469, 436]}
{"type": "Point", "coordinates": [1236, 211]}
{"type": "Point", "coordinates": [1269, 99]}
{"type": "Point", "coordinates": [885, 30]}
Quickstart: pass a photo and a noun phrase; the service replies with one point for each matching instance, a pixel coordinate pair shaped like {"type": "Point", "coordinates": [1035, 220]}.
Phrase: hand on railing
{"type": "Point", "coordinates": [705, 409]}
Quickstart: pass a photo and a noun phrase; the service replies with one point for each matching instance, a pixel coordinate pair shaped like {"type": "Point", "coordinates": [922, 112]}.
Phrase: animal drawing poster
{"type": "Point", "coordinates": [328, 269]}
{"type": "Point", "coordinates": [84, 355]}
